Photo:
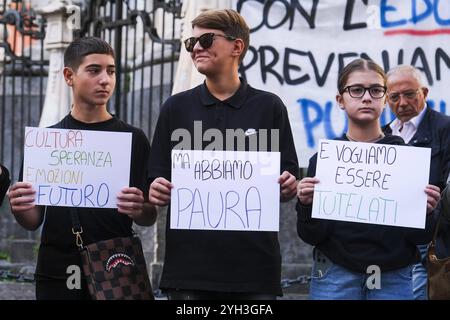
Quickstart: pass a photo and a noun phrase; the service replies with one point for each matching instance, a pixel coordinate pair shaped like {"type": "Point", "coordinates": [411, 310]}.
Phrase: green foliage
{"type": "Point", "coordinates": [5, 256]}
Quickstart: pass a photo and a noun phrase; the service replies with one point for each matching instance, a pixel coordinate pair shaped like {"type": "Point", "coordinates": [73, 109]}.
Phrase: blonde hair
{"type": "Point", "coordinates": [228, 21]}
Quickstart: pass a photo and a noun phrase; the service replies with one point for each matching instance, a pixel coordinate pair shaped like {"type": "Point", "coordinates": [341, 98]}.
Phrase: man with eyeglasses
{"type": "Point", "coordinates": [205, 264]}
{"type": "Point", "coordinates": [421, 126]}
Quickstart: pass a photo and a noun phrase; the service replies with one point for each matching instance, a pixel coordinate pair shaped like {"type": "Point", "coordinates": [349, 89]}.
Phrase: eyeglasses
{"type": "Point", "coordinates": [376, 92]}
{"type": "Point", "coordinates": [206, 40]}
{"type": "Point", "coordinates": [410, 94]}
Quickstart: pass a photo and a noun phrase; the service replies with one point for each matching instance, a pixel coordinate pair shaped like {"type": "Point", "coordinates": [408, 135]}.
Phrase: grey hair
{"type": "Point", "coordinates": [413, 71]}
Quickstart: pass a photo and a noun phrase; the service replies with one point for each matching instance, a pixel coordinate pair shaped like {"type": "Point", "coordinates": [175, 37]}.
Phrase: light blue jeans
{"type": "Point", "coordinates": [420, 276]}
{"type": "Point", "coordinates": [330, 281]}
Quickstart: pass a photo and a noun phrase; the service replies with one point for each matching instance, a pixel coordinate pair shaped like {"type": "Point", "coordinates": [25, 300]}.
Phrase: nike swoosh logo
{"type": "Point", "coordinates": [250, 132]}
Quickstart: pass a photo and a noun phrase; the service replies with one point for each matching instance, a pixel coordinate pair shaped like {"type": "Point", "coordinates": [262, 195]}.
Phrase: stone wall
{"type": "Point", "coordinates": [18, 249]}
{"type": "Point", "coordinates": [17, 244]}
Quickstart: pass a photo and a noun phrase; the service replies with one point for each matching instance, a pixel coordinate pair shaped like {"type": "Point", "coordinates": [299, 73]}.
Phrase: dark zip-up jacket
{"type": "Point", "coordinates": [434, 132]}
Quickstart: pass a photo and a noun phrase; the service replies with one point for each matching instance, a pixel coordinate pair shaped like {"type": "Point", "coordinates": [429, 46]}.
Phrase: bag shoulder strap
{"type": "Point", "coordinates": [445, 203]}
{"type": "Point", "coordinates": [436, 229]}
{"type": "Point", "coordinates": [77, 229]}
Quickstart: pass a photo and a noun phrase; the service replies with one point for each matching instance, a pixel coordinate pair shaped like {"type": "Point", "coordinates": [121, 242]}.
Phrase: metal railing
{"type": "Point", "coordinates": [23, 77]}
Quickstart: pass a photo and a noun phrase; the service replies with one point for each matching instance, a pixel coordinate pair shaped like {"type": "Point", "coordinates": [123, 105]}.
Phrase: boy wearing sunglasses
{"type": "Point", "coordinates": [221, 264]}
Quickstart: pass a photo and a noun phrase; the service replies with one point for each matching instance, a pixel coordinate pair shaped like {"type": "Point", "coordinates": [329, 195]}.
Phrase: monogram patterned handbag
{"type": "Point", "coordinates": [115, 270]}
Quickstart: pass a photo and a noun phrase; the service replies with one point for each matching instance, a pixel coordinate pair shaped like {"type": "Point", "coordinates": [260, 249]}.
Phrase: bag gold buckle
{"type": "Point", "coordinates": [78, 239]}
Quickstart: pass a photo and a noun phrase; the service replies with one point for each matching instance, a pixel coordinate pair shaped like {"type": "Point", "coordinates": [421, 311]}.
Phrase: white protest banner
{"type": "Point", "coordinates": [77, 168]}
{"type": "Point", "coordinates": [298, 47]}
{"type": "Point", "coordinates": [225, 190]}
{"type": "Point", "coordinates": [371, 183]}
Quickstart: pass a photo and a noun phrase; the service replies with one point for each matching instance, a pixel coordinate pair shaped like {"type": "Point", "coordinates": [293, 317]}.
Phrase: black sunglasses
{"type": "Point", "coordinates": [206, 40]}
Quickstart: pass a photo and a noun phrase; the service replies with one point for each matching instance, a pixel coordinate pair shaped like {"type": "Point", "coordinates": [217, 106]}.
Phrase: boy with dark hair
{"type": "Point", "coordinates": [221, 264]}
{"type": "Point", "coordinates": [74, 56]}
{"type": "Point", "coordinates": [4, 182]}
{"type": "Point", "coordinates": [90, 72]}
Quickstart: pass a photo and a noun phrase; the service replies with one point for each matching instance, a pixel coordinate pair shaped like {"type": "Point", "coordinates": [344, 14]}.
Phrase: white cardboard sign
{"type": "Point", "coordinates": [225, 190]}
{"type": "Point", "coordinates": [77, 168]}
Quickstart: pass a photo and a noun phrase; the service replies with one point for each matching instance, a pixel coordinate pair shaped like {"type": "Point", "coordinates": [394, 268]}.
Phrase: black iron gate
{"type": "Point", "coordinates": [145, 35]}
{"type": "Point", "coordinates": [23, 77]}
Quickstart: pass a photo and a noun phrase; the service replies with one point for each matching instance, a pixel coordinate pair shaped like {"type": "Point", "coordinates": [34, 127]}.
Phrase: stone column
{"type": "Point", "coordinates": [58, 36]}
